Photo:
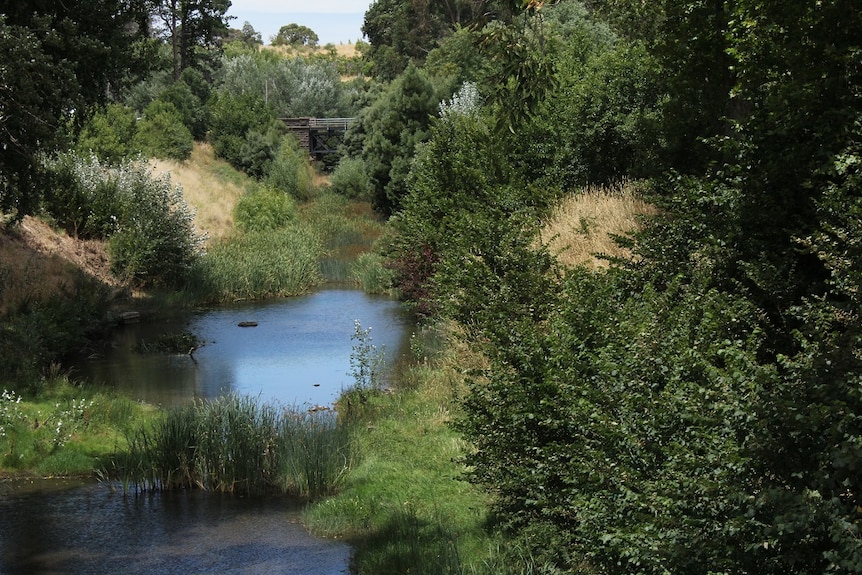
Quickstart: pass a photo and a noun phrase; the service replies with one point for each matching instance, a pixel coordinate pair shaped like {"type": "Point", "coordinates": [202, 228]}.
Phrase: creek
{"type": "Point", "coordinates": [298, 353]}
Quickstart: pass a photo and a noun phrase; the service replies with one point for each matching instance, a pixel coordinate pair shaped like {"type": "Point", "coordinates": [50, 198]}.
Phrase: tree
{"type": "Point", "coordinates": [189, 24]}
{"type": "Point", "coordinates": [295, 35]}
{"type": "Point", "coordinates": [393, 126]}
{"type": "Point", "coordinates": [58, 60]}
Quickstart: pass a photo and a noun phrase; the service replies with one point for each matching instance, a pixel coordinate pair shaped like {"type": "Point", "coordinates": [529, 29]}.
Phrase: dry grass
{"type": "Point", "coordinates": [206, 190]}
{"type": "Point", "coordinates": [37, 263]}
{"type": "Point", "coordinates": [341, 50]}
{"type": "Point", "coordinates": [581, 226]}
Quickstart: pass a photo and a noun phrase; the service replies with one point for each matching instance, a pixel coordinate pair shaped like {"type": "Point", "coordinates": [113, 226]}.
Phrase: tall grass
{"type": "Point", "coordinates": [583, 224]}
{"type": "Point", "coordinates": [347, 229]}
{"type": "Point", "coordinates": [236, 444]}
{"type": "Point", "coordinates": [272, 263]}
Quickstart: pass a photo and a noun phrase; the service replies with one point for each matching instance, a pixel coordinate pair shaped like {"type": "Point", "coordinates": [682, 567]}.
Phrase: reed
{"type": "Point", "coordinates": [316, 452]}
{"type": "Point", "coordinates": [370, 273]}
{"type": "Point", "coordinates": [272, 263]}
{"type": "Point", "coordinates": [236, 444]}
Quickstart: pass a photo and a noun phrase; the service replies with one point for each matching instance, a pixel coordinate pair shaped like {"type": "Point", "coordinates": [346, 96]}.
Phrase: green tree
{"type": "Point", "coordinates": [162, 134]}
{"type": "Point", "coordinates": [58, 60]}
{"type": "Point", "coordinates": [238, 131]}
{"type": "Point", "coordinates": [393, 126]}
{"type": "Point", "coordinates": [295, 35]}
{"type": "Point", "coordinates": [190, 24]}
{"type": "Point", "coordinates": [110, 134]}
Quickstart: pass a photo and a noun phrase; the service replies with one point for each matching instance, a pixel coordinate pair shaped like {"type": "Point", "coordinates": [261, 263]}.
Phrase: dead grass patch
{"type": "Point", "coordinates": [206, 190]}
{"type": "Point", "coordinates": [37, 263]}
{"type": "Point", "coordinates": [581, 226]}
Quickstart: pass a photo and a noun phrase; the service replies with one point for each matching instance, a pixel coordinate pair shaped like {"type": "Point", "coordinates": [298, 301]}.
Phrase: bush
{"type": "Point", "coordinates": [110, 134]}
{"type": "Point", "coordinates": [232, 119]}
{"type": "Point", "coordinates": [150, 230]}
{"type": "Point", "coordinates": [290, 171]}
{"type": "Point", "coordinates": [162, 134]}
{"type": "Point", "coordinates": [350, 179]}
{"type": "Point", "coordinates": [264, 209]}
{"type": "Point", "coordinates": [156, 241]}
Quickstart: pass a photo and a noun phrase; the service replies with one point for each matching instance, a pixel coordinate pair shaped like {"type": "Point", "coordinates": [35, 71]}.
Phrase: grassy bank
{"type": "Point", "coordinates": [65, 430]}
{"type": "Point", "coordinates": [404, 506]}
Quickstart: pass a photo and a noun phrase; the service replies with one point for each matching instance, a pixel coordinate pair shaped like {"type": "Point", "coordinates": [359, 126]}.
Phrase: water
{"type": "Point", "coordinates": [298, 354]}
{"type": "Point", "coordinates": [53, 527]}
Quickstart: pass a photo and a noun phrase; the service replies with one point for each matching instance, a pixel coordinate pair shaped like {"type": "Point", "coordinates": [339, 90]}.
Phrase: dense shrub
{"type": "Point", "coordinates": [162, 133]}
{"type": "Point", "coordinates": [264, 209]}
{"type": "Point", "coordinates": [291, 87]}
{"type": "Point", "coordinates": [150, 228]}
{"type": "Point", "coordinates": [110, 134]}
{"type": "Point", "coordinates": [232, 119]}
{"type": "Point", "coordinates": [392, 127]}
{"type": "Point", "coordinates": [350, 179]}
{"type": "Point", "coordinates": [155, 242]}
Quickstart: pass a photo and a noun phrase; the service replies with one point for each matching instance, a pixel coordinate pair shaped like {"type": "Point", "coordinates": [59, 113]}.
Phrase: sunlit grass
{"type": "Point", "coordinates": [236, 444]}
{"type": "Point", "coordinates": [583, 224]}
{"type": "Point", "coordinates": [66, 430]}
{"type": "Point", "coordinates": [210, 186]}
{"type": "Point", "coordinates": [405, 507]}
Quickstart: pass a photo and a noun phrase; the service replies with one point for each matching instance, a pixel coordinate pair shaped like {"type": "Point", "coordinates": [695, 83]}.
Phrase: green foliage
{"type": "Point", "coordinates": [152, 237]}
{"type": "Point", "coordinates": [350, 179]}
{"type": "Point", "coordinates": [295, 35]}
{"type": "Point", "coordinates": [264, 209]}
{"type": "Point", "coordinates": [155, 242]}
{"type": "Point", "coordinates": [162, 133]}
{"type": "Point", "coordinates": [603, 126]}
{"type": "Point", "coordinates": [255, 265]}
{"type": "Point", "coordinates": [58, 58]}
{"type": "Point", "coordinates": [290, 171]}
{"type": "Point", "coordinates": [110, 134]}
{"type": "Point", "coordinates": [393, 126]}
{"type": "Point", "coordinates": [243, 131]}
{"type": "Point", "coordinates": [189, 96]}
{"type": "Point", "coordinates": [522, 71]}
{"type": "Point", "coordinates": [292, 87]}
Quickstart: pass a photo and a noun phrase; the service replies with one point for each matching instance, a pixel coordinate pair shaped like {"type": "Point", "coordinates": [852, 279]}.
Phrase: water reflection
{"type": "Point", "coordinates": [298, 354]}
{"type": "Point", "coordinates": [67, 528]}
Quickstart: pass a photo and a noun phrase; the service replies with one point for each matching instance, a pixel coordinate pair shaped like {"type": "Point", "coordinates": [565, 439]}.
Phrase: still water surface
{"type": "Point", "coordinates": [56, 527]}
{"type": "Point", "coordinates": [298, 354]}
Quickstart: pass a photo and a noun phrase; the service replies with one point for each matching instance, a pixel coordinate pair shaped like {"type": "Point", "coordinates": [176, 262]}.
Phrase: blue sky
{"type": "Point", "coordinates": [334, 21]}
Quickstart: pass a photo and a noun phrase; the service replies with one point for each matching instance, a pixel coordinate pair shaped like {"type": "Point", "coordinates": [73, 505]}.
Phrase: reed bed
{"type": "Point", "coordinates": [236, 444]}
{"type": "Point", "coordinates": [582, 227]}
{"type": "Point", "coordinates": [256, 265]}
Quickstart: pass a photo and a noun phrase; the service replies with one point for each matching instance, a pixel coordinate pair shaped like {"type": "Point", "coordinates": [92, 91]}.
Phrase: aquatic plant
{"type": "Point", "coordinates": [236, 444]}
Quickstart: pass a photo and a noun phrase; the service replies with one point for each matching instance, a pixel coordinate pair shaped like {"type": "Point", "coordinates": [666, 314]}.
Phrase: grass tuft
{"type": "Point", "coordinates": [583, 224]}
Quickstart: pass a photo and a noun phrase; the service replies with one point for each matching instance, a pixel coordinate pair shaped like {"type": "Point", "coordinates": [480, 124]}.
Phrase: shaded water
{"type": "Point", "coordinates": [58, 527]}
{"type": "Point", "coordinates": [298, 354]}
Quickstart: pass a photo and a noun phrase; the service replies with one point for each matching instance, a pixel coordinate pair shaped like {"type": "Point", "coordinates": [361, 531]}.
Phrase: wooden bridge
{"type": "Point", "coordinates": [318, 135]}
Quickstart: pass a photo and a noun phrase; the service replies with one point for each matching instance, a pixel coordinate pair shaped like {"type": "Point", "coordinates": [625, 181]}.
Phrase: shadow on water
{"type": "Point", "coordinates": [67, 527]}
